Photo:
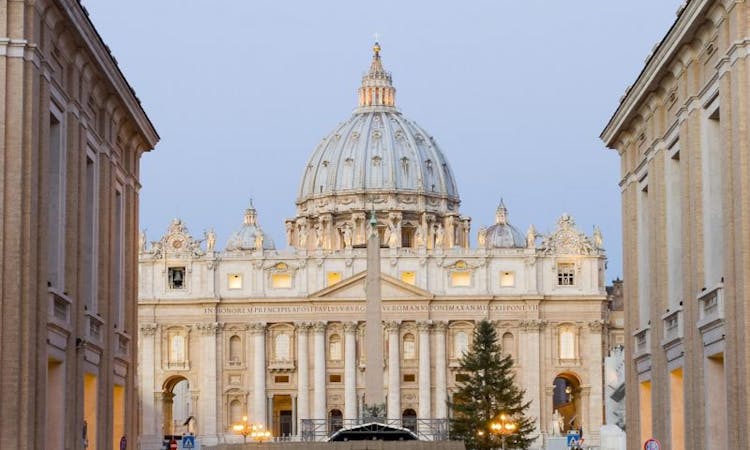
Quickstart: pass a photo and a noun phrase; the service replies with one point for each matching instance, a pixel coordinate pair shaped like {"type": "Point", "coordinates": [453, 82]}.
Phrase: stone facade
{"type": "Point", "coordinates": [681, 132]}
{"type": "Point", "coordinates": [72, 133]}
{"type": "Point", "coordinates": [279, 335]}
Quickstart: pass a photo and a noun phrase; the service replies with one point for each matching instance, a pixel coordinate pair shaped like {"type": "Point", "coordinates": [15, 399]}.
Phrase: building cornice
{"type": "Point", "coordinates": [78, 17]}
{"type": "Point", "coordinates": [679, 33]}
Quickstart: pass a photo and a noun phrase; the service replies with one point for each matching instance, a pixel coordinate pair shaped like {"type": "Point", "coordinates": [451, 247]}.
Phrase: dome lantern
{"type": "Point", "coordinates": [377, 88]}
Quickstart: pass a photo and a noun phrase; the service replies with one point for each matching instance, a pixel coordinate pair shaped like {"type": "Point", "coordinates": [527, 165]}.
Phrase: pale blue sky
{"type": "Point", "coordinates": [515, 93]}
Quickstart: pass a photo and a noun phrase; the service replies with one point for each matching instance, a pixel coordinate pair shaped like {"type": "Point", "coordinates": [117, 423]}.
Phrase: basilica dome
{"type": "Point", "coordinates": [501, 234]}
{"type": "Point", "coordinates": [377, 160]}
{"type": "Point", "coordinates": [377, 150]}
{"type": "Point", "coordinates": [250, 236]}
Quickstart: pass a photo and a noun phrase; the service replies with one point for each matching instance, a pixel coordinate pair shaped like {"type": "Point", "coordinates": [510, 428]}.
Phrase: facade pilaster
{"type": "Point", "coordinates": [425, 386]}
{"type": "Point", "coordinates": [441, 384]}
{"type": "Point", "coordinates": [258, 413]}
{"type": "Point", "coordinates": [147, 343]}
{"type": "Point", "coordinates": [303, 373]}
{"type": "Point", "coordinates": [319, 370]}
{"type": "Point", "coordinates": [530, 360]}
{"type": "Point", "coordinates": [350, 371]}
{"type": "Point", "coordinates": [394, 371]}
{"type": "Point", "coordinates": [207, 426]}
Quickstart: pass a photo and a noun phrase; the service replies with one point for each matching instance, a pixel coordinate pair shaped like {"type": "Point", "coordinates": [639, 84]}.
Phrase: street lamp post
{"type": "Point", "coordinates": [504, 426]}
{"type": "Point", "coordinates": [254, 430]}
{"type": "Point", "coordinates": [259, 434]}
{"type": "Point", "coordinates": [243, 428]}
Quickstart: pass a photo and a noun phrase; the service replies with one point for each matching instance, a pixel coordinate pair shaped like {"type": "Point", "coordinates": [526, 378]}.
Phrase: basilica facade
{"type": "Point", "coordinates": [278, 335]}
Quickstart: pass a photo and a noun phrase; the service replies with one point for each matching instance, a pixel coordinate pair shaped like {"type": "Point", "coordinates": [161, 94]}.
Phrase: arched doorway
{"type": "Point", "coordinates": [566, 400]}
{"type": "Point", "coordinates": [409, 419]}
{"type": "Point", "coordinates": [177, 407]}
{"type": "Point", "coordinates": [335, 421]}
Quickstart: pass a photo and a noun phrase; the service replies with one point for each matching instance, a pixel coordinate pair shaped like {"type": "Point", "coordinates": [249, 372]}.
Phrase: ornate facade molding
{"type": "Point", "coordinates": [210, 329]}
{"type": "Point", "coordinates": [350, 327]}
{"type": "Point", "coordinates": [597, 326]}
{"type": "Point", "coordinates": [257, 328]}
{"type": "Point", "coordinates": [319, 327]}
{"type": "Point", "coordinates": [392, 325]}
{"type": "Point", "coordinates": [439, 326]}
{"type": "Point", "coordinates": [533, 325]}
{"type": "Point", "coordinates": [149, 329]}
{"type": "Point", "coordinates": [568, 240]}
{"type": "Point", "coordinates": [424, 325]}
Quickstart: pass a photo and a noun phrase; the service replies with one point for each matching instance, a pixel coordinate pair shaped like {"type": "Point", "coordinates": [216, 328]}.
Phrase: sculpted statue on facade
{"type": "Point", "coordinates": [419, 240]}
{"type": "Point", "coordinates": [557, 423]}
{"type": "Point", "coordinates": [142, 241]}
{"type": "Point", "coordinates": [302, 237]}
{"type": "Point", "coordinates": [394, 236]}
{"type": "Point", "coordinates": [346, 231]}
{"type": "Point", "coordinates": [439, 236]}
{"type": "Point", "coordinates": [259, 240]}
{"type": "Point", "coordinates": [531, 237]}
{"type": "Point", "coordinates": [598, 239]}
{"type": "Point", "coordinates": [318, 236]}
{"type": "Point", "coordinates": [210, 240]}
{"type": "Point", "coordinates": [482, 237]}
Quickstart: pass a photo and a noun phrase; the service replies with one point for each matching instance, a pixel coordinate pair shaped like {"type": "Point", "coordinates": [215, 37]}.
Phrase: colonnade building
{"type": "Point", "coordinates": [72, 133]}
{"type": "Point", "coordinates": [682, 135]}
{"type": "Point", "coordinates": [278, 335]}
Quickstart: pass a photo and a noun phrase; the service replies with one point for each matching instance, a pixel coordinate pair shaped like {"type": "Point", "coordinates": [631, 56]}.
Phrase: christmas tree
{"type": "Point", "coordinates": [488, 407]}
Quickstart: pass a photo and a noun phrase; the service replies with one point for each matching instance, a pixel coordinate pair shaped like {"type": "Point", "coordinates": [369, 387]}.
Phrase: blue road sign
{"type": "Point", "coordinates": [188, 442]}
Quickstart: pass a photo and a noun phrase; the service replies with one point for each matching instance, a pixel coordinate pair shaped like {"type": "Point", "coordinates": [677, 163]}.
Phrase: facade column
{"type": "Point", "coordinates": [425, 385]}
{"type": "Point", "coordinates": [208, 428]}
{"type": "Point", "coordinates": [441, 384]}
{"type": "Point", "coordinates": [258, 413]}
{"type": "Point", "coordinates": [152, 433]}
{"type": "Point", "coordinates": [394, 371]}
{"type": "Point", "coordinates": [303, 374]}
{"type": "Point", "coordinates": [350, 371]}
{"type": "Point", "coordinates": [530, 360]}
{"type": "Point", "coordinates": [319, 370]}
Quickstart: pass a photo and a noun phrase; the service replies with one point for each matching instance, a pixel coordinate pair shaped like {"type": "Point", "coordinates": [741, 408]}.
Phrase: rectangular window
{"type": "Point", "coordinates": [55, 401]}
{"type": "Point", "coordinates": [674, 229]}
{"type": "Point", "coordinates": [407, 237]}
{"type": "Point", "coordinates": [89, 226]}
{"type": "Point", "coordinates": [460, 279]}
{"type": "Point", "coordinates": [234, 281]}
{"type": "Point", "coordinates": [566, 274]}
{"type": "Point", "coordinates": [117, 261]}
{"type": "Point", "coordinates": [713, 211]}
{"type": "Point", "coordinates": [507, 279]}
{"type": "Point", "coordinates": [333, 278]}
{"type": "Point", "coordinates": [643, 258]}
{"type": "Point", "coordinates": [281, 379]}
{"type": "Point", "coordinates": [176, 277]}
{"type": "Point", "coordinates": [281, 281]}
{"type": "Point", "coordinates": [409, 277]}
{"type": "Point", "coordinates": [462, 377]}
{"type": "Point", "coordinates": [334, 378]}
{"type": "Point", "coordinates": [55, 196]}
{"type": "Point", "coordinates": [410, 378]}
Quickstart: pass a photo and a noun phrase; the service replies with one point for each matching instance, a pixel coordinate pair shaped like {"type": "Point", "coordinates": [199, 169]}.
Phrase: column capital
{"type": "Point", "coordinates": [319, 327]}
{"type": "Point", "coordinates": [392, 326]}
{"type": "Point", "coordinates": [350, 327]}
{"type": "Point", "coordinates": [302, 326]}
{"type": "Point", "coordinates": [257, 328]}
{"type": "Point", "coordinates": [597, 326]}
{"type": "Point", "coordinates": [210, 329]}
{"type": "Point", "coordinates": [440, 326]}
{"type": "Point", "coordinates": [533, 325]}
{"type": "Point", "coordinates": [424, 325]}
{"type": "Point", "coordinates": [149, 329]}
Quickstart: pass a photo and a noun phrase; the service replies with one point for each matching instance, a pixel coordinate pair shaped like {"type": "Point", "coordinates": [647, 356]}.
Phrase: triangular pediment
{"type": "Point", "coordinates": [353, 288]}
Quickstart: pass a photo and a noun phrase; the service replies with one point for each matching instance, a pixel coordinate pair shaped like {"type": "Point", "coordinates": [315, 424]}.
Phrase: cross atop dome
{"type": "Point", "coordinates": [377, 89]}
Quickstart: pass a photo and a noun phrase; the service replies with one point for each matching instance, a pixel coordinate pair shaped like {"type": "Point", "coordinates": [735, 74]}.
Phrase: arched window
{"type": "Point", "coordinates": [235, 349]}
{"type": "Point", "coordinates": [281, 347]}
{"type": "Point", "coordinates": [334, 347]}
{"type": "Point", "coordinates": [177, 349]}
{"type": "Point", "coordinates": [335, 421]}
{"type": "Point", "coordinates": [460, 344]}
{"type": "Point", "coordinates": [509, 345]}
{"type": "Point", "coordinates": [567, 342]}
{"type": "Point", "coordinates": [409, 419]}
{"type": "Point", "coordinates": [410, 351]}
{"type": "Point", "coordinates": [235, 412]}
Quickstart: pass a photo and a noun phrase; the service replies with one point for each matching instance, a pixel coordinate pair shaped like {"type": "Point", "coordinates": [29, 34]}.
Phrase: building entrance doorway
{"type": "Point", "coordinates": [282, 421]}
{"type": "Point", "coordinates": [177, 407]}
{"type": "Point", "coordinates": [566, 400]}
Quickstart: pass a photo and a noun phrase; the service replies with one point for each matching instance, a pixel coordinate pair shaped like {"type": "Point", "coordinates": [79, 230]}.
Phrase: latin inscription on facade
{"type": "Point", "coordinates": [315, 309]}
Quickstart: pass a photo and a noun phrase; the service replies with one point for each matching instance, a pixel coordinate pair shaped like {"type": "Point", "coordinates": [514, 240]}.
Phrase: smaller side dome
{"type": "Point", "coordinates": [250, 236]}
{"type": "Point", "coordinates": [502, 234]}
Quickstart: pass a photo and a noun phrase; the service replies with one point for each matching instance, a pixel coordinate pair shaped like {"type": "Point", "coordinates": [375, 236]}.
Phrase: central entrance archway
{"type": "Point", "coordinates": [177, 407]}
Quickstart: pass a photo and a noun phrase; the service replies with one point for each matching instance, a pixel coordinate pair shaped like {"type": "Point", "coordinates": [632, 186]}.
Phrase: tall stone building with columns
{"type": "Point", "coordinates": [72, 133]}
{"type": "Point", "coordinates": [278, 335]}
{"type": "Point", "coordinates": [681, 132]}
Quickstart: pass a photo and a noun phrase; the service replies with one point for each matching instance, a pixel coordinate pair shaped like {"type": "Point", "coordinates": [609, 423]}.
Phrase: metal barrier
{"type": "Point", "coordinates": [425, 429]}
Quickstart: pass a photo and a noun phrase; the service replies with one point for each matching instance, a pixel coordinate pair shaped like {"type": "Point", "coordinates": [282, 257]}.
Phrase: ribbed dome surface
{"type": "Point", "coordinates": [504, 236]}
{"type": "Point", "coordinates": [377, 149]}
{"type": "Point", "coordinates": [250, 236]}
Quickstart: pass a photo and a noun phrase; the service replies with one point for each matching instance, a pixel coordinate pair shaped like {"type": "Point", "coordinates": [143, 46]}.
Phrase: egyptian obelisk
{"type": "Point", "coordinates": [374, 395]}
